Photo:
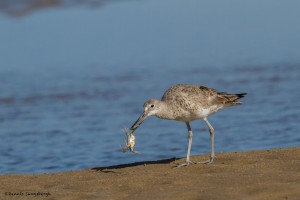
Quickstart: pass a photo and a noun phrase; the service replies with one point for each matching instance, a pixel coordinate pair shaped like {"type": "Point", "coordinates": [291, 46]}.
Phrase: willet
{"type": "Point", "coordinates": [187, 103]}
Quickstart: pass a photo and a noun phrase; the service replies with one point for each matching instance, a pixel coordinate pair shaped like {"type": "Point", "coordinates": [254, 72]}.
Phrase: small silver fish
{"type": "Point", "coordinates": [129, 141]}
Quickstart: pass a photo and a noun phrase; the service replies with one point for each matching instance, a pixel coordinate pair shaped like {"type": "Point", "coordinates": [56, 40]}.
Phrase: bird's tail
{"type": "Point", "coordinates": [231, 99]}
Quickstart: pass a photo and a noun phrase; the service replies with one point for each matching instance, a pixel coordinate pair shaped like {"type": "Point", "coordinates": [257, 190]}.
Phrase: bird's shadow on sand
{"type": "Point", "coordinates": [121, 166]}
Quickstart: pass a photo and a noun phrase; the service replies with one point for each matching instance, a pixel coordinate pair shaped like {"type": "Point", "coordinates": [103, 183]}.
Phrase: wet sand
{"type": "Point", "coordinates": [269, 174]}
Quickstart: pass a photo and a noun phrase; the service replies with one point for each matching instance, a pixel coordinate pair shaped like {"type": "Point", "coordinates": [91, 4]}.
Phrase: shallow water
{"type": "Point", "coordinates": [72, 77]}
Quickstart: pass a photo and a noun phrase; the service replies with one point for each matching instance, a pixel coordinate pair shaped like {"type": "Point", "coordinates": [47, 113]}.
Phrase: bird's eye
{"type": "Point", "coordinates": [152, 106]}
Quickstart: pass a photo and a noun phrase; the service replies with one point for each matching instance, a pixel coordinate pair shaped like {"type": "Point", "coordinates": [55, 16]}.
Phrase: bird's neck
{"type": "Point", "coordinates": [165, 112]}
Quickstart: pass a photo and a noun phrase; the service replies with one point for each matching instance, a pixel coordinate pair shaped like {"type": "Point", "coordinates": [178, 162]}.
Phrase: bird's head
{"type": "Point", "coordinates": [151, 107]}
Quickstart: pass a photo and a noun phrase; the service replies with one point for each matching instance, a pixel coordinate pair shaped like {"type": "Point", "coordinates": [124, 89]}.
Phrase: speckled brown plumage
{"type": "Point", "coordinates": [184, 102]}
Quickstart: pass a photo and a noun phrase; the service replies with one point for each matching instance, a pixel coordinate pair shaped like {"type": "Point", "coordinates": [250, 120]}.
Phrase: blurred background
{"type": "Point", "coordinates": [73, 73]}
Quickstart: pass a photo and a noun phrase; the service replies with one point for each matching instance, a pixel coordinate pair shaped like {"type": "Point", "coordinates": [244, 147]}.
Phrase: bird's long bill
{"type": "Point", "coordinates": [139, 121]}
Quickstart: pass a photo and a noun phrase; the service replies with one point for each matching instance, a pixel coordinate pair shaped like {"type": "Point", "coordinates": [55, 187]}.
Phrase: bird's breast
{"type": "Point", "coordinates": [187, 116]}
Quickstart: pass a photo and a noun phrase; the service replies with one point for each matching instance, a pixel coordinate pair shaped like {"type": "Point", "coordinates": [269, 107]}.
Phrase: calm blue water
{"type": "Point", "coordinates": [72, 75]}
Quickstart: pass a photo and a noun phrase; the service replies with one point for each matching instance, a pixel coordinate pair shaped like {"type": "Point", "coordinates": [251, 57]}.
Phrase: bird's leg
{"type": "Point", "coordinates": [211, 131]}
{"type": "Point", "coordinates": [190, 137]}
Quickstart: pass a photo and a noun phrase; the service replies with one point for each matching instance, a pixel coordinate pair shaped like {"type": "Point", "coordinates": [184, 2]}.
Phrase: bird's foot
{"type": "Point", "coordinates": [185, 164]}
{"type": "Point", "coordinates": [209, 161]}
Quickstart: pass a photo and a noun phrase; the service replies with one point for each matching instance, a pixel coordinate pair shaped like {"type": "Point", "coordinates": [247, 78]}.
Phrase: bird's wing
{"type": "Point", "coordinates": [191, 97]}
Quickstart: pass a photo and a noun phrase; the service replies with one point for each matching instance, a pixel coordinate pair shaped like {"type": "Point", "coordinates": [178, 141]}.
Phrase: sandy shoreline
{"type": "Point", "coordinates": [269, 174]}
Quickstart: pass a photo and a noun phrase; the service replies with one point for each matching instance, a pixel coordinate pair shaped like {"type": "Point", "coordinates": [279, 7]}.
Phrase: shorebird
{"type": "Point", "coordinates": [186, 103]}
